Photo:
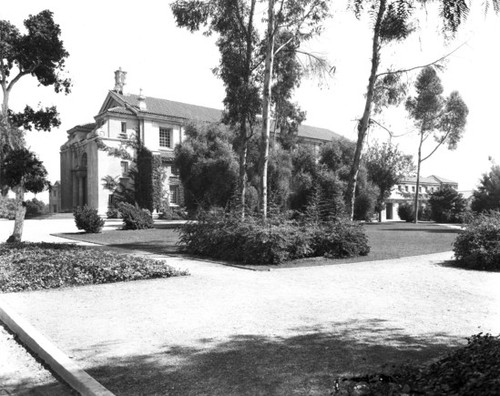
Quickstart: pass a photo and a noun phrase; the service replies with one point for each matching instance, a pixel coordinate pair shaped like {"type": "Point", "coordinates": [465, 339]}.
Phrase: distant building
{"type": "Point", "coordinates": [160, 126]}
{"type": "Point", "coordinates": [406, 190]}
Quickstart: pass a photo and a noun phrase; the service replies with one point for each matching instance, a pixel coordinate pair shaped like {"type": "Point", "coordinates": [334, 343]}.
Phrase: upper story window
{"type": "Point", "coordinates": [406, 188]}
{"type": "Point", "coordinates": [166, 137]}
{"type": "Point", "coordinates": [412, 188]}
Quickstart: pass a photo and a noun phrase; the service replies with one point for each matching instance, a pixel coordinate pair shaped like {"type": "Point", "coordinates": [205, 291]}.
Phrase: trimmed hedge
{"type": "Point", "coordinates": [470, 370]}
{"type": "Point", "coordinates": [226, 237]}
{"type": "Point", "coordinates": [88, 220]}
{"type": "Point", "coordinates": [34, 266]}
{"type": "Point", "coordinates": [135, 218]}
{"type": "Point", "coordinates": [478, 245]}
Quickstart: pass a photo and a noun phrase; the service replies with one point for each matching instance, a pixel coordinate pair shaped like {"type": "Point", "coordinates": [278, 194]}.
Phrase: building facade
{"type": "Point", "coordinates": [405, 193]}
{"type": "Point", "coordinates": [87, 156]}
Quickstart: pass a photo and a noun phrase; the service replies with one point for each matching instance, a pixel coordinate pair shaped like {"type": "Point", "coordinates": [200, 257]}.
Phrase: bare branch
{"type": "Point", "coordinates": [426, 65]}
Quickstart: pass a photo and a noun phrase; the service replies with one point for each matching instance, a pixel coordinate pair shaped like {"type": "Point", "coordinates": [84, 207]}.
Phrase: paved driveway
{"type": "Point", "coordinates": [225, 330]}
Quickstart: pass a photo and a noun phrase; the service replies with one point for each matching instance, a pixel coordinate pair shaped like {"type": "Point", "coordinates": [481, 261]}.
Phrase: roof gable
{"type": "Point", "coordinates": [129, 104]}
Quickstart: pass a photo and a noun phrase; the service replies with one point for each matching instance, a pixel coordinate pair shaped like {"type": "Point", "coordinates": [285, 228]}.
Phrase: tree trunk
{"type": "Point", "coordinates": [20, 213]}
{"type": "Point", "coordinates": [243, 170]}
{"type": "Point", "coordinates": [364, 123]}
{"type": "Point", "coordinates": [419, 162]}
{"type": "Point", "coordinates": [266, 110]}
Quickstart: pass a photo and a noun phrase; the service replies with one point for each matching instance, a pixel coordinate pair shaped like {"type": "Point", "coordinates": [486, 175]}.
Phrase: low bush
{"type": "Point", "coordinates": [169, 213]}
{"type": "Point", "coordinates": [135, 218]}
{"type": "Point", "coordinates": [470, 370]}
{"type": "Point", "coordinates": [478, 245]}
{"type": "Point", "coordinates": [34, 266]}
{"type": "Point", "coordinates": [87, 219]}
{"type": "Point", "coordinates": [225, 236]}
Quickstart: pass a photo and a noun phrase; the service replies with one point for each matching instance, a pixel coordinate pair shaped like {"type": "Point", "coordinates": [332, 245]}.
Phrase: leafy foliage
{"type": "Point", "coordinates": [487, 195]}
{"type": "Point", "coordinates": [386, 167]}
{"type": "Point", "coordinates": [21, 167]}
{"type": "Point", "coordinates": [7, 208]}
{"type": "Point", "coordinates": [448, 206]}
{"type": "Point", "coordinates": [135, 218]}
{"type": "Point", "coordinates": [406, 212]}
{"type": "Point", "coordinates": [470, 370]}
{"type": "Point", "coordinates": [35, 208]}
{"type": "Point", "coordinates": [87, 219]}
{"type": "Point", "coordinates": [35, 266]}
{"type": "Point", "coordinates": [224, 236]}
{"type": "Point", "coordinates": [478, 245]}
{"type": "Point", "coordinates": [207, 166]}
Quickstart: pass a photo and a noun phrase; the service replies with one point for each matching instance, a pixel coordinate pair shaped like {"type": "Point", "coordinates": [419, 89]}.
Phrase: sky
{"type": "Point", "coordinates": [172, 63]}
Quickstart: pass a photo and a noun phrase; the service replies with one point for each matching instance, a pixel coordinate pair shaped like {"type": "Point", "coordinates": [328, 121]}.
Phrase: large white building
{"type": "Point", "coordinates": [405, 192]}
{"type": "Point", "coordinates": [159, 123]}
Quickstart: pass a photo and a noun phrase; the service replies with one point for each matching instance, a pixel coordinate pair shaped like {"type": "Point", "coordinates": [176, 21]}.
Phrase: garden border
{"type": "Point", "coordinates": [61, 364]}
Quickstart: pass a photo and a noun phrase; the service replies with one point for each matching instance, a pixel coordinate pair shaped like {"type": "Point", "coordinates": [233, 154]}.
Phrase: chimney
{"type": "Point", "coordinates": [120, 80]}
{"type": "Point", "coordinates": [142, 101]}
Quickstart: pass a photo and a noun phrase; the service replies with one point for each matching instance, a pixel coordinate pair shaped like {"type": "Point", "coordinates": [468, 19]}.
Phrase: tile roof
{"type": "Point", "coordinates": [428, 180]}
{"type": "Point", "coordinates": [170, 108]}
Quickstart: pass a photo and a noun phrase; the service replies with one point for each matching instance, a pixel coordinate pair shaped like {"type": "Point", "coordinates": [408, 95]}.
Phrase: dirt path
{"type": "Point", "coordinates": [230, 331]}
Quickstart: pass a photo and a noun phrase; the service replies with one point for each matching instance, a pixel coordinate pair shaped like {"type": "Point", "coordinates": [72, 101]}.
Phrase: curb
{"type": "Point", "coordinates": [63, 366]}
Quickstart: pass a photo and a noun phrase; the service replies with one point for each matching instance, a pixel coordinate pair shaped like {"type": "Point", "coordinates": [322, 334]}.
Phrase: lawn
{"type": "Point", "coordinates": [387, 241]}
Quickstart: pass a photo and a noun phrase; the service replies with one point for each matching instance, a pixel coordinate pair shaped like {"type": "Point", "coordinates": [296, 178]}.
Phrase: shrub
{"type": "Point", "coordinates": [478, 245]}
{"type": "Point", "coordinates": [87, 219]}
{"type": "Point", "coordinates": [225, 236]}
{"type": "Point", "coordinates": [470, 370]}
{"type": "Point", "coordinates": [113, 213]}
{"type": "Point", "coordinates": [405, 212]}
{"type": "Point", "coordinates": [34, 266]}
{"type": "Point", "coordinates": [36, 208]}
{"type": "Point", "coordinates": [7, 208]}
{"type": "Point", "coordinates": [135, 218]}
{"type": "Point", "coordinates": [448, 206]}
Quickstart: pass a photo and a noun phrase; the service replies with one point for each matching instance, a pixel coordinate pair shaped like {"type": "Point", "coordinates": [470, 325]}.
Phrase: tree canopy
{"type": "Point", "coordinates": [443, 118]}
{"type": "Point", "coordinates": [487, 195]}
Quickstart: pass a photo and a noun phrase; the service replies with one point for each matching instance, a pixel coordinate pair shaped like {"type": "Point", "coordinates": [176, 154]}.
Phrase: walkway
{"type": "Point", "coordinates": [228, 331]}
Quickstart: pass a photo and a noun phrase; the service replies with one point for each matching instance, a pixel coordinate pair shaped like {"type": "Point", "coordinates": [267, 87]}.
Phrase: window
{"type": "Point", "coordinates": [406, 188]}
{"type": "Point", "coordinates": [412, 188]}
{"type": "Point", "coordinates": [124, 165]}
{"type": "Point", "coordinates": [174, 170]}
{"type": "Point", "coordinates": [174, 195]}
{"type": "Point", "coordinates": [166, 137]}
{"type": "Point", "coordinates": [124, 127]}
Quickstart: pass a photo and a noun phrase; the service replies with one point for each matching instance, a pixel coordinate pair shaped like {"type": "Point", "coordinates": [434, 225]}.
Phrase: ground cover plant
{"type": "Point", "coordinates": [34, 266]}
{"type": "Point", "coordinates": [478, 245]}
{"type": "Point", "coordinates": [470, 370]}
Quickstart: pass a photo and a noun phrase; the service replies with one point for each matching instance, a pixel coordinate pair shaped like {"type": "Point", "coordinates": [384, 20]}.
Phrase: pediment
{"type": "Point", "coordinates": [110, 102]}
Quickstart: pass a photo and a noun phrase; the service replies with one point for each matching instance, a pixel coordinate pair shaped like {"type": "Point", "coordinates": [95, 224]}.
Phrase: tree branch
{"type": "Point", "coordinates": [438, 145]}
{"type": "Point", "coordinates": [423, 66]}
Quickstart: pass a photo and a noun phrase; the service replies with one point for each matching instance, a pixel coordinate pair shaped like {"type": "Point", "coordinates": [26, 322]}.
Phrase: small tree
{"type": "Point", "coordinates": [487, 195]}
{"type": "Point", "coordinates": [447, 205]}
{"type": "Point", "coordinates": [386, 167]}
{"type": "Point", "coordinates": [207, 165]}
{"type": "Point", "coordinates": [22, 171]}
{"type": "Point", "coordinates": [434, 115]}
{"type": "Point", "coordinates": [39, 53]}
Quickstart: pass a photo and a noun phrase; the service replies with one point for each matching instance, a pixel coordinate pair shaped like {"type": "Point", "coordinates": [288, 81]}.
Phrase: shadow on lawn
{"type": "Point", "coordinates": [430, 230]}
{"type": "Point", "coordinates": [246, 364]}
